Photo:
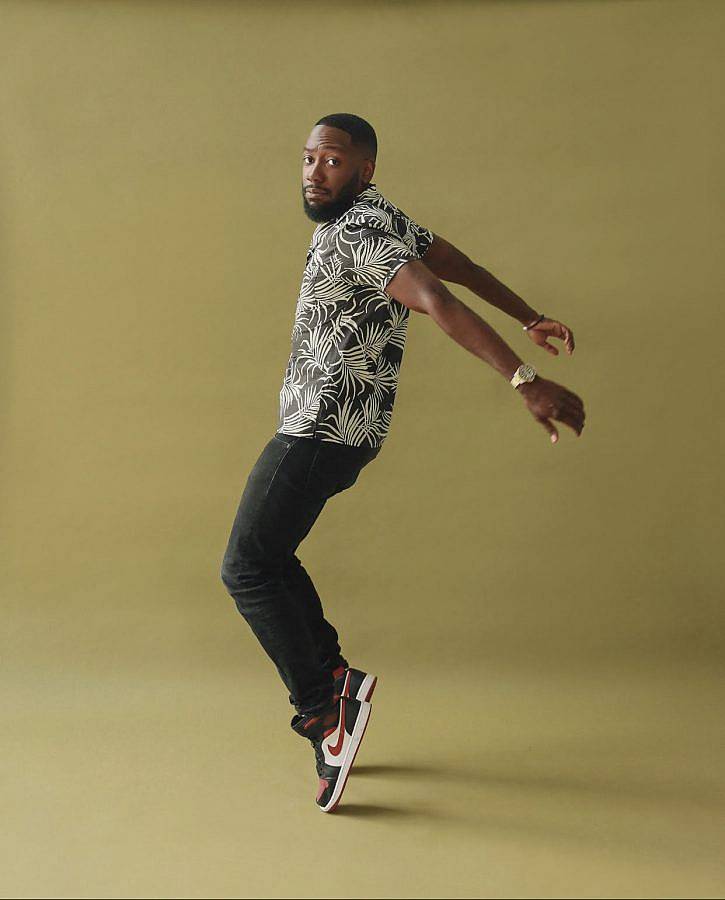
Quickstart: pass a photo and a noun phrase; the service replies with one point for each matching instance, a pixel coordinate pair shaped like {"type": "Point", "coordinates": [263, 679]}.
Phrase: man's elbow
{"type": "Point", "coordinates": [449, 263]}
{"type": "Point", "coordinates": [436, 299]}
{"type": "Point", "coordinates": [417, 288]}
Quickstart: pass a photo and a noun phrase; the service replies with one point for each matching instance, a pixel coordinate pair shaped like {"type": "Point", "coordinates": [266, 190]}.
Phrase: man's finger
{"type": "Point", "coordinates": [569, 418]}
{"type": "Point", "coordinates": [575, 405]}
{"type": "Point", "coordinates": [566, 335]}
{"type": "Point", "coordinates": [549, 426]}
{"type": "Point", "coordinates": [573, 398]}
{"type": "Point", "coordinates": [576, 412]}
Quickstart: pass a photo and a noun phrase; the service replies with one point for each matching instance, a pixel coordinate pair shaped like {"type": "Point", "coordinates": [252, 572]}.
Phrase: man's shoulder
{"type": "Point", "coordinates": [367, 214]}
{"type": "Point", "coordinates": [380, 215]}
{"type": "Point", "coordinates": [379, 219]}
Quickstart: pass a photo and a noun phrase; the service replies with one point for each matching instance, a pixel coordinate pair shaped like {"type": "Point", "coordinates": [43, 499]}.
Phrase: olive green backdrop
{"type": "Point", "coordinates": [545, 619]}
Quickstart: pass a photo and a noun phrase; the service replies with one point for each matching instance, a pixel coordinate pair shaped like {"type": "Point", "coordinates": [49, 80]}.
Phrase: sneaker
{"type": "Point", "coordinates": [360, 684]}
{"type": "Point", "coordinates": [335, 736]}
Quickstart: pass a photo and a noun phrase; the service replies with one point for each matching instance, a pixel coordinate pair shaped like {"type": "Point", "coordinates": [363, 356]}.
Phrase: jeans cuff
{"type": "Point", "coordinates": [324, 705]}
{"type": "Point", "coordinates": [335, 662]}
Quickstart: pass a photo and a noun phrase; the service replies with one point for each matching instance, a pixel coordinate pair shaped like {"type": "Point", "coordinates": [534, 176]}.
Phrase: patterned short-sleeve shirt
{"type": "Point", "coordinates": [349, 334]}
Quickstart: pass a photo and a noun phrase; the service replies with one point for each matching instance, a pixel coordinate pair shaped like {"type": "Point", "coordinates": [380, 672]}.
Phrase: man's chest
{"type": "Point", "coordinates": [322, 259]}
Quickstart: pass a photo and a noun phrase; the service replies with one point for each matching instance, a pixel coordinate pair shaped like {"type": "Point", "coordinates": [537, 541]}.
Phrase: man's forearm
{"type": "Point", "coordinates": [487, 286]}
{"type": "Point", "coordinates": [449, 263]}
{"type": "Point", "coordinates": [469, 330]}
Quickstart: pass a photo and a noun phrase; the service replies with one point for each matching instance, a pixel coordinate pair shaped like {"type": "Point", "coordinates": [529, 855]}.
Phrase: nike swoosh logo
{"type": "Point", "coordinates": [335, 751]}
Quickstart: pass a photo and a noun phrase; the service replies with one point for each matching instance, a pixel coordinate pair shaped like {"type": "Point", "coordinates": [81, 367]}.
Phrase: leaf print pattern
{"type": "Point", "coordinates": [349, 335]}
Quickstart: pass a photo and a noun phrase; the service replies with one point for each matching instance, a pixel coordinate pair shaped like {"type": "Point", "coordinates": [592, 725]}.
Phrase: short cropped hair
{"type": "Point", "coordinates": [362, 132]}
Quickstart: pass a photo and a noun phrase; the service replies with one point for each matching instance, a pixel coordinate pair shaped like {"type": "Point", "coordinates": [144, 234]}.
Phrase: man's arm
{"type": "Point", "coordinates": [450, 264]}
{"type": "Point", "coordinates": [415, 286]}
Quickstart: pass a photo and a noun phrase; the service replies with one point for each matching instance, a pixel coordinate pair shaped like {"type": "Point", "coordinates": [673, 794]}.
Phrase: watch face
{"type": "Point", "coordinates": [527, 372]}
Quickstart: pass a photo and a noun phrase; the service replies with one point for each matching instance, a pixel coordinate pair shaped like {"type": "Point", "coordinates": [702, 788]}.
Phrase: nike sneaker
{"type": "Point", "coordinates": [335, 736]}
{"type": "Point", "coordinates": [360, 684]}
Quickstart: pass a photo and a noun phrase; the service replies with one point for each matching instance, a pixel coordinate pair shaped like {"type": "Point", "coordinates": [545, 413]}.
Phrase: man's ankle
{"type": "Point", "coordinates": [319, 709]}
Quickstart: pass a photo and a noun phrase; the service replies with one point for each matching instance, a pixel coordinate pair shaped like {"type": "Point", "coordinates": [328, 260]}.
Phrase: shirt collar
{"type": "Point", "coordinates": [371, 192]}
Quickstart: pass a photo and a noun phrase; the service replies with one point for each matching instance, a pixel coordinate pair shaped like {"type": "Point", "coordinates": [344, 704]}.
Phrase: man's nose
{"type": "Point", "coordinates": [316, 174]}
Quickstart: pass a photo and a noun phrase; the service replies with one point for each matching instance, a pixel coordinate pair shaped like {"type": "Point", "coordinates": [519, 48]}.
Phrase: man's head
{"type": "Point", "coordinates": [339, 161]}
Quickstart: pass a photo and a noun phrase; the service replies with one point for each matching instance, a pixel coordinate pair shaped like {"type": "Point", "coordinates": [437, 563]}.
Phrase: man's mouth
{"type": "Point", "coordinates": [314, 192]}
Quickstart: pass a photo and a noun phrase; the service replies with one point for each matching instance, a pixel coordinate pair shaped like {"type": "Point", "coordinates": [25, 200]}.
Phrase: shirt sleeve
{"type": "Point", "coordinates": [372, 256]}
{"type": "Point", "coordinates": [423, 237]}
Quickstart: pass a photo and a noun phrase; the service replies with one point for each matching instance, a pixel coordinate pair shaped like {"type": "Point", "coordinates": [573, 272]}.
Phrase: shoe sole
{"type": "Point", "coordinates": [358, 732]}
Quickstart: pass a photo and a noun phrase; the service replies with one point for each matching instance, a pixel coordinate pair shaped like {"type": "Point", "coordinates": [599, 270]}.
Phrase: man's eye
{"type": "Point", "coordinates": [330, 159]}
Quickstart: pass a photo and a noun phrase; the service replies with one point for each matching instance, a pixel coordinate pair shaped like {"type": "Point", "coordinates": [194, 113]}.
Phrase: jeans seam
{"type": "Point", "coordinates": [312, 465]}
{"type": "Point", "coordinates": [274, 474]}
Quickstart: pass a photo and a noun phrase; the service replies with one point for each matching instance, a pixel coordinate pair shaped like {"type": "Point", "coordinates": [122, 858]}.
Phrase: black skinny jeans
{"type": "Point", "coordinates": [284, 494]}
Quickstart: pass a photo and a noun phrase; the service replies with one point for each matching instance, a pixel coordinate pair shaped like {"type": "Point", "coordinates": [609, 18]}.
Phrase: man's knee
{"type": "Point", "coordinates": [226, 573]}
{"type": "Point", "coordinates": [235, 571]}
{"type": "Point", "coordinates": [246, 569]}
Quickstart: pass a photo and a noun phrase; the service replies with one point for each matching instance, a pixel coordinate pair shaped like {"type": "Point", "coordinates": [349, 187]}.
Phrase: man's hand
{"type": "Point", "coordinates": [547, 328]}
{"type": "Point", "coordinates": [415, 286]}
{"type": "Point", "coordinates": [548, 400]}
{"type": "Point", "coordinates": [449, 263]}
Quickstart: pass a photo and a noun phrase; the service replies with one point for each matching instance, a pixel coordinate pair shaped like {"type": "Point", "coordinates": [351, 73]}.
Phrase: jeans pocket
{"type": "Point", "coordinates": [335, 468]}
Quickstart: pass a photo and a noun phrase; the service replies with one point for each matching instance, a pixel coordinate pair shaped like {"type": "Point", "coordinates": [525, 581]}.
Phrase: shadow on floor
{"type": "Point", "coordinates": [641, 819]}
{"type": "Point", "coordinates": [703, 794]}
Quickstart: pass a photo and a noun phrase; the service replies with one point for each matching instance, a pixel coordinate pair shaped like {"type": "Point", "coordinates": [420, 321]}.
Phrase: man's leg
{"type": "Point", "coordinates": [324, 635]}
{"type": "Point", "coordinates": [336, 468]}
{"type": "Point", "coordinates": [275, 513]}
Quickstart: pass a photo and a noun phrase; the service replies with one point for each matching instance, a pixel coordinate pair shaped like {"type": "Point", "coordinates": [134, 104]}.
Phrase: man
{"type": "Point", "coordinates": [368, 265]}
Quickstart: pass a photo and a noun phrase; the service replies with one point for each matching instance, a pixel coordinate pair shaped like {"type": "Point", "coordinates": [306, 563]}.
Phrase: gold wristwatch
{"type": "Point", "coordinates": [524, 373]}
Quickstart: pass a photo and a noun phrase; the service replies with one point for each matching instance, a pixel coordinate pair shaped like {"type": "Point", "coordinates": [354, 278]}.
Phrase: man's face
{"type": "Point", "coordinates": [335, 169]}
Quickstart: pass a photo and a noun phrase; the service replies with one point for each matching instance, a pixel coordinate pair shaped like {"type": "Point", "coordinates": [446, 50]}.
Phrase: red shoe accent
{"type": "Point", "coordinates": [322, 787]}
{"type": "Point", "coordinates": [338, 672]}
{"type": "Point", "coordinates": [310, 722]}
{"type": "Point", "coordinates": [336, 750]}
{"type": "Point", "coordinates": [339, 796]}
{"type": "Point", "coordinates": [372, 688]}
